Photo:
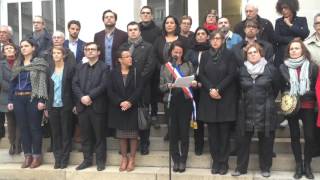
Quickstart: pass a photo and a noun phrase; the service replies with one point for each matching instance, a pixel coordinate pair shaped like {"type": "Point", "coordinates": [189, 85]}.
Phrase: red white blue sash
{"type": "Point", "coordinates": [176, 73]}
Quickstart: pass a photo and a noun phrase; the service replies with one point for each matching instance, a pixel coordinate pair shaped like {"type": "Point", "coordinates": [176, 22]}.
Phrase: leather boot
{"type": "Point", "coordinates": [308, 171]}
{"type": "Point", "coordinates": [36, 162]}
{"type": "Point", "coordinates": [299, 171]}
{"type": "Point", "coordinates": [27, 161]}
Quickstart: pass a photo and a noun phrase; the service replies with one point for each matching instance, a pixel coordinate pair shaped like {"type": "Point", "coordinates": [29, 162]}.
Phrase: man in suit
{"type": "Point", "coordinates": [110, 39]}
{"type": "Point", "coordinates": [89, 87]}
{"type": "Point", "coordinates": [75, 44]}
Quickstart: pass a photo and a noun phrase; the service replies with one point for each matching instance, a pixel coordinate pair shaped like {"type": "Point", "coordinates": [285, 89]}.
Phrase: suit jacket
{"type": "Point", "coordinates": [119, 37]}
{"type": "Point", "coordinates": [98, 93]}
{"type": "Point", "coordinates": [80, 49]}
{"type": "Point", "coordinates": [66, 91]}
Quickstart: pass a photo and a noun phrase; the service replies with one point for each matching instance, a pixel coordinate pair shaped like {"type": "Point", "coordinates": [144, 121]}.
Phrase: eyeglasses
{"type": "Point", "coordinates": [8, 47]}
{"type": "Point", "coordinates": [90, 49]}
{"type": "Point", "coordinates": [216, 38]}
{"type": "Point", "coordinates": [252, 52]}
{"type": "Point", "coordinates": [145, 13]}
{"type": "Point", "coordinates": [36, 22]}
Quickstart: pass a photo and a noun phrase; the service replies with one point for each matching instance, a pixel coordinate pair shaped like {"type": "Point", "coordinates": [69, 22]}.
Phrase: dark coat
{"type": "Point", "coordinates": [5, 77]}
{"type": "Point", "coordinates": [239, 53]}
{"type": "Point", "coordinates": [66, 88]}
{"type": "Point", "coordinates": [119, 38]}
{"type": "Point", "coordinates": [144, 62]}
{"type": "Point", "coordinates": [284, 34]}
{"type": "Point", "coordinates": [313, 74]}
{"type": "Point", "coordinates": [117, 93]}
{"type": "Point", "coordinates": [257, 108]}
{"type": "Point", "coordinates": [80, 49]}
{"type": "Point", "coordinates": [150, 32]}
{"type": "Point", "coordinates": [97, 94]}
{"type": "Point", "coordinates": [44, 43]}
{"type": "Point", "coordinates": [266, 31]}
{"type": "Point", "coordinates": [218, 75]}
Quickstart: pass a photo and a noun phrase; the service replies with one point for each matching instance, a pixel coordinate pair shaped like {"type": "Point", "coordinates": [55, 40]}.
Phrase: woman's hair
{"type": "Point", "coordinates": [177, 44]}
{"type": "Point", "coordinates": [33, 44]}
{"type": "Point", "coordinates": [14, 47]}
{"type": "Point", "coordinates": [198, 29]}
{"type": "Point", "coordinates": [254, 45]}
{"type": "Point", "coordinates": [305, 51]}
{"type": "Point", "coordinates": [177, 30]}
{"type": "Point", "coordinates": [292, 4]}
{"type": "Point", "coordinates": [211, 11]}
{"type": "Point", "coordinates": [214, 33]}
{"type": "Point", "coordinates": [59, 48]}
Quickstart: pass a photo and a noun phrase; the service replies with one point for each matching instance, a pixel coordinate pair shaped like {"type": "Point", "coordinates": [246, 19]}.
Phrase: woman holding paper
{"type": "Point", "coordinates": [218, 97]}
{"type": "Point", "coordinates": [180, 103]}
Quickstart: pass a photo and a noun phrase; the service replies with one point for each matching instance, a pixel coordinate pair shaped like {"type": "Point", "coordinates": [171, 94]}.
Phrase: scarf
{"type": "Point", "coordinates": [10, 61]}
{"type": "Point", "coordinates": [215, 53]}
{"type": "Point", "coordinates": [210, 27]}
{"type": "Point", "coordinates": [302, 85]}
{"type": "Point", "coordinates": [38, 76]}
{"type": "Point", "coordinates": [134, 43]}
{"type": "Point", "coordinates": [256, 69]}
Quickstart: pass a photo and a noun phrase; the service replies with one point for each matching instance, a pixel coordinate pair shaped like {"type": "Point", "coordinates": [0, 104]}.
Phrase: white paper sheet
{"type": "Point", "coordinates": [184, 81]}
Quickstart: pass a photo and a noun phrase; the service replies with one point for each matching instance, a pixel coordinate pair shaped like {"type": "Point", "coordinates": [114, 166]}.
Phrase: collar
{"type": "Point", "coordinates": [229, 35]}
{"type": "Point", "coordinates": [74, 42]}
{"type": "Point", "coordinates": [312, 39]}
{"type": "Point", "coordinates": [111, 34]}
{"type": "Point", "coordinates": [92, 65]}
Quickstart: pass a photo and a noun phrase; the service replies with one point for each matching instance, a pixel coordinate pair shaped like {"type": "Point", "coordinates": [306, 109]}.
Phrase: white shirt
{"type": "Point", "coordinates": [73, 47]}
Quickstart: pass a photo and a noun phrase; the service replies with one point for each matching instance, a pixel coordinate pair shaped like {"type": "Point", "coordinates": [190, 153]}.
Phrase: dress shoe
{"type": "Point", "coordinates": [265, 174]}
{"type": "Point", "coordinates": [63, 166]}
{"type": "Point", "coordinates": [57, 165]}
{"type": "Point", "coordinates": [223, 169]}
{"type": "Point", "coordinates": [308, 171]}
{"type": "Point", "coordinates": [198, 150]}
{"type": "Point", "coordinates": [144, 149]}
{"type": "Point", "coordinates": [12, 149]}
{"type": "Point", "coordinates": [166, 137]}
{"type": "Point", "coordinates": [131, 164]}
{"type": "Point", "coordinates": [36, 162]}
{"type": "Point", "coordinates": [175, 167]}
{"type": "Point", "coordinates": [237, 173]}
{"type": "Point", "coordinates": [299, 171]}
{"type": "Point", "coordinates": [18, 149]}
{"type": "Point", "coordinates": [182, 167]}
{"type": "Point", "coordinates": [27, 161]}
{"type": "Point", "coordinates": [215, 168]}
{"type": "Point", "coordinates": [123, 164]}
{"type": "Point", "coordinates": [83, 165]}
{"type": "Point", "coordinates": [101, 167]}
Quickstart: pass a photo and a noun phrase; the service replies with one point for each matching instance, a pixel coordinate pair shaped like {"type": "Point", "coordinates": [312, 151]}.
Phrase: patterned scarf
{"type": "Point", "coordinates": [134, 43]}
{"type": "Point", "coordinates": [38, 76]}
{"type": "Point", "coordinates": [298, 86]}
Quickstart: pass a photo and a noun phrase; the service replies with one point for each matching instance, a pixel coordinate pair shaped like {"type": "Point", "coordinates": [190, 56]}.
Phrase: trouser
{"type": "Point", "coordinates": [61, 131]}
{"type": "Point", "coordinates": [180, 112]}
{"type": "Point", "coordinates": [29, 120]}
{"type": "Point", "coordinates": [144, 137]}
{"type": "Point", "coordinates": [155, 92]}
{"type": "Point", "coordinates": [265, 150]}
{"type": "Point", "coordinates": [92, 127]}
{"type": "Point", "coordinates": [2, 128]}
{"type": "Point", "coordinates": [309, 124]}
{"type": "Point", "coordinates": [219, 136]}
{"type": "Point", "coordinates": [199, 136]}
{"type": "Point", "coordinates": [13, 129]}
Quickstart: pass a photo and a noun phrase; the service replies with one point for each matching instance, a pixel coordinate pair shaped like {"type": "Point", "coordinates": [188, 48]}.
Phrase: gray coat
{"type": "Point", "coordinates": [5, 76]}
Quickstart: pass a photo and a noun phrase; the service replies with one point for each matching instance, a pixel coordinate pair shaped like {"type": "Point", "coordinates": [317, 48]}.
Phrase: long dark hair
{"type": "Point", "coordinates": [177, 30]}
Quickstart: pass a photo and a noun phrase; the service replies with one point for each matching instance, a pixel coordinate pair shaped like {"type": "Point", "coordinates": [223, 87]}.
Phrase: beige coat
{"type": "Point", "coordinates": [313, 45]}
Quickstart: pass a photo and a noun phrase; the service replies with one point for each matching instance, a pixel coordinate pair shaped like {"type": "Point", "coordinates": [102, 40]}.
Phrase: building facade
{"type": "Point", "coordinates": [57, 13]}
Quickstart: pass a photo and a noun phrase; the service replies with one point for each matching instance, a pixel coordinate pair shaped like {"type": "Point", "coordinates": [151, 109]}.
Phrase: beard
{"type": "Point", "coordinates": [110, 25]}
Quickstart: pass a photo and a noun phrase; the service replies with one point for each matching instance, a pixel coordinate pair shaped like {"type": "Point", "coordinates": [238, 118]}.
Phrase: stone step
{"type": "Point", "coordinates": [46, 172]}
{"type": "Point", "coordinates": [281, 145]}
{"type": "Point", "coordinates": [283, 162]}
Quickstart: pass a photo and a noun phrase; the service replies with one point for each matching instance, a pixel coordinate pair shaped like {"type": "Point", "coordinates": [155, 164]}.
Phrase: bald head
{"type": "Point", "coordinates": [251, 10]}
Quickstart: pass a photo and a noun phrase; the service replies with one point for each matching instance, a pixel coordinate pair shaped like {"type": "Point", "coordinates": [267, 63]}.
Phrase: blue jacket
{"type": "Point", "coordinates": [80, 49]}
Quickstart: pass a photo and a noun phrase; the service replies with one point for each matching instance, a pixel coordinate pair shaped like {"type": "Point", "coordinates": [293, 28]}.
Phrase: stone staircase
{"type": "Point", "coordinates": [153, 166]}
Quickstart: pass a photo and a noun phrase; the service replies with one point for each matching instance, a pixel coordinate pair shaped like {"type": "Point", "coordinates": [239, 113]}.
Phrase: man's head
{"type": "Point", "coordinates": [224, 25]}
{"type": "Point", "coordinates": [251, 11]}
{"type": "Point", "coordinates": [185, 23]}
{"type": "Point", "coordinates": [57, 38]}
{"type": "Point", "coordinates": [316, 24]}
{"type": "Point", "coordinates": [5, 33]}
{"type": "Point", "coordinates": [109, 18]}
{"type": "Point", "coordinates": [92, 51]}
{"type": "Point", "coordinates": [251, 29]}
{"type": "Point", "coordinates": [74, 29]}
{"type": "Point", "coordinates": [38, 23]}
{"type": "Point", "coordinates": [133, 30]}
{"type": "Point", "coordinates": [146, 14]}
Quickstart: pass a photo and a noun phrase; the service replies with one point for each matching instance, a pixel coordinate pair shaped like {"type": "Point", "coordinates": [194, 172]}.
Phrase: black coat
{"type": "Point", "coordinates": [150, 32]}
{"type": "Point", "coordinates": [66, 89]}
{"type": "Point", "coordinates": [239, 53]}
{"type": "Point", "coordinates": [257, 108]}
{"type": "Point", "coordinates": [218, 75]}
{"type": "Point", "coordinates": [313, 74]}
{"type": "Point", "coordinates": [284, 34]}
{"type": "Point", "coordinates": [144, 62]}
{"type": "Point", "coordinates": [266, 31]}
{"type": "Point", "coordinates": [119, 37]}
{"type": "Point", "coordinates": [117, 93]}
{"type": "Point", "coordinates": [97, 94]}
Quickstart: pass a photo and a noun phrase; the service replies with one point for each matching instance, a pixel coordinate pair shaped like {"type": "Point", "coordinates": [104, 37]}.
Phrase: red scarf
{"type": "Point", "coordinates": [318, 98]}
{"type": "Point", "coordinates": [210, 27]}
{"type": "Point", "coordinates": [10, 61]}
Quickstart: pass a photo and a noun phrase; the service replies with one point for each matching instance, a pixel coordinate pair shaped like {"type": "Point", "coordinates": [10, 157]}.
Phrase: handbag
{"type": "Point", "coordinates": [143, 118]}
{"type": "Point", "coordinates": [289, 104]}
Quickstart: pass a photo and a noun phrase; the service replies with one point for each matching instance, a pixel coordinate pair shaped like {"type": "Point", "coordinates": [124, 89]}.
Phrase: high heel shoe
{"type": "Point", "coordinates": [123, 164]}
{"type": "Point", "coordinates": [131, 164]}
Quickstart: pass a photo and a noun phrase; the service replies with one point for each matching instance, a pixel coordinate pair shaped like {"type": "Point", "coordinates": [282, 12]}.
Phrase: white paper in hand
{"type": "Point", "coordinates": [183, 81]}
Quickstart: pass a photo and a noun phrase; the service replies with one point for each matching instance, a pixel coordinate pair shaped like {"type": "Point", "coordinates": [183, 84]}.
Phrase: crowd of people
{"type": "Point", "coordinates": [92, 90]}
